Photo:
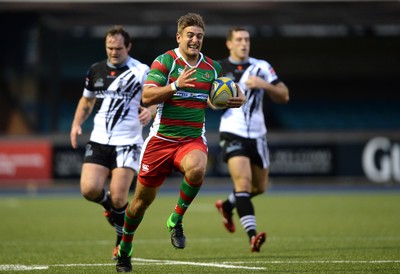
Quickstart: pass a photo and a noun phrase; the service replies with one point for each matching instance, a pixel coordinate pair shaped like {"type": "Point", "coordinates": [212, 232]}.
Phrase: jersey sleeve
{"type": "Point", "coordinates": [270, 74]}
{"type": "Point", "coordinates": [159, 70]}
{"type": "Point", "coordinates": [88, 90]}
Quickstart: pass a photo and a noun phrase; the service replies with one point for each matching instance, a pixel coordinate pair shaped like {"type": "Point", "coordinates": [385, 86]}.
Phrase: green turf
{"type": "Point", "coordinates": [307, 233]}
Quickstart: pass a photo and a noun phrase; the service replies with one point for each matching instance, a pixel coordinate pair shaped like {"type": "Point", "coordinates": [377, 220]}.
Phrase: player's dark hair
{"type": "Point", "coordinates": [117, 29]}
{"type": "Point", "coordinates": [190, 19]}
{"type": "Point", "coordinates": [229, 35]}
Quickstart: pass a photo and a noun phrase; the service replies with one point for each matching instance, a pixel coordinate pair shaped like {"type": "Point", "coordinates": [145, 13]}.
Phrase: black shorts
{"type": "Point", "coordinates": [255, 149]}
{"type": "Point", "coordinates": [113, 156]}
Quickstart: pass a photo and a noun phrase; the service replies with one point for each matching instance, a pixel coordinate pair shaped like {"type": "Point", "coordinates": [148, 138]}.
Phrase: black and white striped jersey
{"type": "Point", "coordinates": [248, 120]}
{"type": "Point", "coordinates": [118, 92]}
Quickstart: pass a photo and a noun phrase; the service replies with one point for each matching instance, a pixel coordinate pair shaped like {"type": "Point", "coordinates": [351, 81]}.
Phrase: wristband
{"type": "Point", "coordinates": [173, 86]}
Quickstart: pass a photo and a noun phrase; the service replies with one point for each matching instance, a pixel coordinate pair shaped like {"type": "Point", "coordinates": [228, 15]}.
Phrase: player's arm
{"type": "Point", "coordinates": [83, 111]}
{"type": "Point", "coordinates": [153, 95]}
{"type": "Point", "coordinates": [146, 114]}
{"type": "Point", "coordinates": [279, 93]}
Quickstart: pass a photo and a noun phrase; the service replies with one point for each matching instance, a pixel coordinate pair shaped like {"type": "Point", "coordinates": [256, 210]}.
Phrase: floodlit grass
{"type": "Point", "coordinates": [339, 232]}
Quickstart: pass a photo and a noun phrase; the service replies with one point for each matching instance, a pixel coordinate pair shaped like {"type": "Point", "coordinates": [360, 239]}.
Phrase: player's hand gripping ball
{"type": "Point", "coordinates": [223, 88]}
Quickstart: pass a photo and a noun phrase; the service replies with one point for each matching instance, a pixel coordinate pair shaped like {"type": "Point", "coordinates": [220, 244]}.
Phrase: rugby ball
{"type": "Point", "coordinates": [222, 89]}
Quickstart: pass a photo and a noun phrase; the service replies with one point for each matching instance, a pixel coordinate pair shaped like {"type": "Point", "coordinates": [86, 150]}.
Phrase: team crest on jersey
{"type": "Point", "coordinates": [206, 76]}
{"type": "Point", "coordinates": [99, 83]}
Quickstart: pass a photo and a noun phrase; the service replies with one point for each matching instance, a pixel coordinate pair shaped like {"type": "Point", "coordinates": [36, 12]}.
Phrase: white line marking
{"type": "Point", "coordinates": [20, 267]}
{"type": "Point", "coordinates": [334, 262]}
{"type": "Point", "coordinates": [197, 264]}
{"type": "Point", "coordinates": [316, 262]}
{"type": "Point", "coordinates": [141, 261]}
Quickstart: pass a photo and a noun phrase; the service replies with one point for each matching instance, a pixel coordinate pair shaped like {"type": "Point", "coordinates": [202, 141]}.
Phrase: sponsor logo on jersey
{"type": "Point", "coordinates": [156, 76]}
{"type": "Point", "coordinates": [185, 94]}
{"type": "Point", "coordinates": [272, 71]}
{"type": "Point", "coordinates": [99, 83]}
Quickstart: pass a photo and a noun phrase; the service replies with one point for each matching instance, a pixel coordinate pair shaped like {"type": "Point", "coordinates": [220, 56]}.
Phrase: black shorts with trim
{"type": "Point", "coordinates": [255, 149]}
{"type": "Point", "coordinates": [113, 156]}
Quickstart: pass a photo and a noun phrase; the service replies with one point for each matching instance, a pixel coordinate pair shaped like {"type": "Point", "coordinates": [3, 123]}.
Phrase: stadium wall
{"type": "Point", "coordinates": [296, 157]}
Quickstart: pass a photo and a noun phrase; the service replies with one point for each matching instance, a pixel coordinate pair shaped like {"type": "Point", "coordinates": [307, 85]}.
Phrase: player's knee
{"type": "Point", "coordinates": [258, 191]}
{"type": "Point", "coordinates": [119, 201]}
{"type": "Point", "coordinates": [196, 174]}
{"type": "Point", "coordinates": [89, 192]}
{"type": "Point", "coordinates": [138, 207]}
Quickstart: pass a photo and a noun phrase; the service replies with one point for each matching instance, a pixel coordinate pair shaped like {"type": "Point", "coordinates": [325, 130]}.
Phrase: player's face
{"type": "Point", "coordinates": [117, 53]}
{"type": "Point", "coordinates": [190, 42]}
{"type": "Point", "coordinates": [239, 45]}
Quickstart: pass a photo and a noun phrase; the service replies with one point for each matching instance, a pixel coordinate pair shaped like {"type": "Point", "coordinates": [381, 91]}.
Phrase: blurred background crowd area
{"type": "Point", "coordinates": [340, 60]}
